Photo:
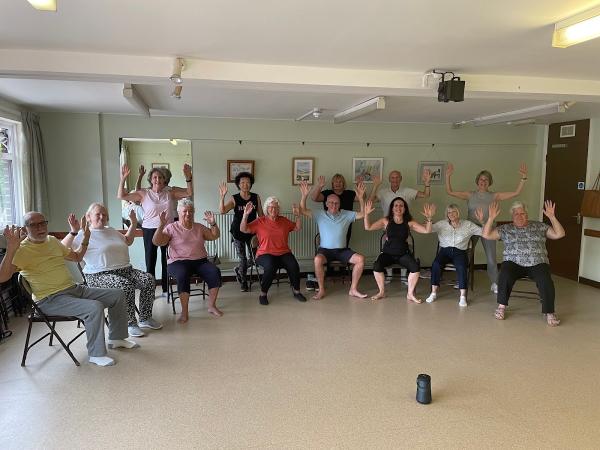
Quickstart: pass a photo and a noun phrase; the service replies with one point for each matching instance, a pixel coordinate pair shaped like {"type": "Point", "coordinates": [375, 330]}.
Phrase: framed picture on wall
{"type": "Point", "coordinates": [303, 169]}
{"type": "Point", "coordinates": [367, 169]}
{"type": "Point", "coordinates": [436, 168]}
{"type": "Point", "coordinates": [161, 165]}
{"type": "Point", "coordinates": [235, 166]}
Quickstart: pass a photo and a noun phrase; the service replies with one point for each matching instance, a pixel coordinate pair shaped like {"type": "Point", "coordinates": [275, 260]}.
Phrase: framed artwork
{"type": "Point", "coordinates": [161, 165]}
{"type": "Point", "coordinates": [235, 166]}
{"type": "Point", "coordinates": [367, 169]}
{"type": "Point", "coordinates": [303, 169]}
{"type": "Point", "coordinates": [437, 169]}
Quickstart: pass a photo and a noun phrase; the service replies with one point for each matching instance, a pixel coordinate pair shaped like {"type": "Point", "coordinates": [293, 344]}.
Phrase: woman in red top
{"type": "Point", "coordinates": [273, 252]}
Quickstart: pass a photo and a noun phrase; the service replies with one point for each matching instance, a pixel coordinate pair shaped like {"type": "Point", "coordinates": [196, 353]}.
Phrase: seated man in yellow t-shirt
{"type": "Point", "coordinates": [41, 260]}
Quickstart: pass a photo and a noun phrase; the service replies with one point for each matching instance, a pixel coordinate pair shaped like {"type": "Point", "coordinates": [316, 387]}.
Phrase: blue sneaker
{"type": "Point", "coordinates": [150, 323]}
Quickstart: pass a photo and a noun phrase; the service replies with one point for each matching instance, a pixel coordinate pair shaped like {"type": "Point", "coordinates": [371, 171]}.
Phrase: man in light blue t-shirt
{"type": "Point", "coordinates": [333, 226]}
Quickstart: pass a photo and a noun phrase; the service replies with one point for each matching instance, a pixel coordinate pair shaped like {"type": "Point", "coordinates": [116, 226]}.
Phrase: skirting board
{"type": "Point", "coordinates": [589, 282]}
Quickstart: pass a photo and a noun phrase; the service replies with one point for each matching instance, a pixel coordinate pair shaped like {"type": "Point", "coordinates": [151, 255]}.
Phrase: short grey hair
{"type": "Point", "coordinates": [28, 215]}
{"type": "Point", "coordinates": [94, 206]}
{"type": "Point", "coordinates": [517, 204]}
{"type": "Point", "coordinates": [268, 202]}
{"type": "Point", "coordinates": [185, 203]}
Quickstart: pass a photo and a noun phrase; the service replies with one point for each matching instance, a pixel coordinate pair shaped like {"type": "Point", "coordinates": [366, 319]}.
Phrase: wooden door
{"type": "Point", "coordinates": [566, 164]}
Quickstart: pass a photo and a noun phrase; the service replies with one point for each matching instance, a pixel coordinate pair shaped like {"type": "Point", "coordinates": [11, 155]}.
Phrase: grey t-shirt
{"type": "Point", "coordinates": [480, 200]}
{"type": "Point", "coordinates": [525, 246]}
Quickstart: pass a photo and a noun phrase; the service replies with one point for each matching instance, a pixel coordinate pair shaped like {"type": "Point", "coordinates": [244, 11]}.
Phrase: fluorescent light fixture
{"type": "Point", "coordinates": [315, 112]}
{"type": "Point", "coordinates": [178, 67]}
{"type": "Point", "coordinates": [133, 97]}
{"type": "Point", "coordinates": [521, 114]}
{"type": "Point", "coordinates": [177, 92]}
{"type": "Point", "coordinates": [360, 110]}
{"type": "Point", "coordinates": [579, 28]}
{"type": "Point", "coordinates": [43, 5]}
{"type": "Point", "coordinates": [516, 123]}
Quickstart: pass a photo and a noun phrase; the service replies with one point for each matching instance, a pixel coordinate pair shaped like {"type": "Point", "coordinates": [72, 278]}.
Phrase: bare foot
{"type": "Point", "coordinates": [378, 296]}
{"type": "Point", "coordinates": [414, 299]}
{"type": "Point", "coordinates": [183, 318]}
{"type": "Point", "coordinates": [215, 311]}
{"type": "Point", "coordinates": [552, 320]}
{"type": "Point", "coordinates": [357, 294]}
{"type": "Point", "coordinates": [319, 295]}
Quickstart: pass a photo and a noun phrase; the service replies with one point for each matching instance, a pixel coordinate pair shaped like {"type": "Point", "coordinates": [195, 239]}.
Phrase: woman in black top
{"type": "Point", "coordinates": [397, 226]}
{"type": "Point", "coordinates": [241, 241]}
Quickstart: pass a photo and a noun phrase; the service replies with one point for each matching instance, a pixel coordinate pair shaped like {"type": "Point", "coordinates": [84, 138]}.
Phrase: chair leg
{"type": "Point", "coordinates": [26, 344]}
{"type": "Point", "coordinates": [52, 333]}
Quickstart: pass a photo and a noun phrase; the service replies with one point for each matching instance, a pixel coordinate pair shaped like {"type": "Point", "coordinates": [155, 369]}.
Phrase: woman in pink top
{"type": "Point", "coordinates": [155, 199]}
{"type": "Point", "coordinates": [273, 252]}
{"type": "Point", "coordinates": [187, 254]}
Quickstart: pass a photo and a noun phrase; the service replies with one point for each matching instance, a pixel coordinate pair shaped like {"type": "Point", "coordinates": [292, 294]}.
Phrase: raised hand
{"type": "Point", "coordinates": [73, 223]}
{"type": "Point", "coordinates": [428, 210]}
{"type": "Point", "coordinates": [523, 170]}
{"type": "Point", "coordinates": [142, 170]}
{"type": "Point", "coordinates": [222, 189]}
{"type": "Point", "coordinates": [321, 182]}
{"type": "Point", "coordinates": [209, 217]}
{"type": "Point", "coordinates": [369, 207]}
{"type": "Point", "coordinates": [479, 214]}
{"type": "Point", "coordinates": [163, 218]}
{"type": "Point", "coordinates": [426, 177]}
{"type": "Point", "coordinates": [187, 171]}
{"type": "Point", "coordinates": [449, 170]}
{"type": "Point", "coordinates": [304, 188]}
{"type": "Point", "coordinates": [295, 210]}
{"type": "Point", "coordinates": [360, 188]}
{"type": "Point", "coordinates": [14, 235]}
{"type": "Point", "coordinates": [248, 209]}
{"type": "Point", "coordinates": [86, 229]}
{"type": "Point", "coordinates": [376, 180]}
{"type": "Point", "coordinates": [125, 171]}
{"type": "Point", "coordinates": [133, 217]}
{"type": "Point", "coordinates": [494, 210]}
{"type": "Point", "coordinates": [549, 209]}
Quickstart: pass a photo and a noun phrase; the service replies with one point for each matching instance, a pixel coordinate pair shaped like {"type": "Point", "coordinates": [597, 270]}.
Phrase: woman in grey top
{"type": "Point", "coordinates": [525, 254]}
{"type": "Point", "coordinates": [482, 197]}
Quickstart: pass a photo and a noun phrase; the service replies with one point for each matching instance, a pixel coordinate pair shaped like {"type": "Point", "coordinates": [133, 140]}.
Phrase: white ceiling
{"type": "Point", "coordinates": [278, 59]}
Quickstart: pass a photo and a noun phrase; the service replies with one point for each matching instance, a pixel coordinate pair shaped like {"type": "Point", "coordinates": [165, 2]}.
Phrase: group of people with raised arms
{"type": "Point", "coordinates": [112, 281]}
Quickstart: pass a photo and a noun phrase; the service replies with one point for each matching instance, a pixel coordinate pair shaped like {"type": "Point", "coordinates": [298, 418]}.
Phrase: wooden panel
{"type": "Point", "coordinates": [591, 233]}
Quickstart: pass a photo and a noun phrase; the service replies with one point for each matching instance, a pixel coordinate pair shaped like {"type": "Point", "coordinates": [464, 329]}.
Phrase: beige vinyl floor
{"type": "Point", "coordinates": [337, 373]}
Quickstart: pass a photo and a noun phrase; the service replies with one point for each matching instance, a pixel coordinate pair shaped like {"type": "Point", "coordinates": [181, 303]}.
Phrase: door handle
{"type": "Point", "coordinates": [578, 217]}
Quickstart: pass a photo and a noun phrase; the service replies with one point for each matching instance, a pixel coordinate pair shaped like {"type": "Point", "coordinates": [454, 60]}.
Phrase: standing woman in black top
{"type": "Point", "coordinates": [338, 187]}
{"type": "Point", "coordinates": [397, 226]}
{"type": "Point", "coordinates": [241, 241]}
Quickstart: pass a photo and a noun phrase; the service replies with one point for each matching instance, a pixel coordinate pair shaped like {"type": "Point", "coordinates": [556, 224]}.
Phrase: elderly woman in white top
{"type": "Point", "coordinates": [454, 235]}
{"type": "Point", "coordinates": [107, 265]}
{"type": "Point", "coordinates": [156, 199]}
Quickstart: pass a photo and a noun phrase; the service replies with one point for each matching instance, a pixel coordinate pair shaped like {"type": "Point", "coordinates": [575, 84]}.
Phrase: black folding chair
{"type": "Point", "coordinates": [255, 268]}
{"type": "Point", "coordinates": [334, 266]}
{"type": "Point", "coordinates": [411, 250]}
{"type": "Point", "coordinates": [37, 316]}
{"type": "Point", "coordinates": [470, 264]}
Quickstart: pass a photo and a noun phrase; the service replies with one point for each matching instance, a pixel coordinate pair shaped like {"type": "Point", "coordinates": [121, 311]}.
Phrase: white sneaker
{"type": "Point", "coordinates": [122, 343]}
{"type": "Point", "coordinates": [462, 301]}
{"type": "Point", "coordinates": [102, 361]}
{"type": "Point", "coordinates": [431, 298]}
{"type": "Point", "coordinates": [494, 288]}
{"type": "Point", "coordinates": [135, 331]}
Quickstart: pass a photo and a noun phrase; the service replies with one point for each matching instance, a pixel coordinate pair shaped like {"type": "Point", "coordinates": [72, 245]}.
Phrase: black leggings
{"type": "Point", "coordinates": [270, 265]}
{"type": "Point", "coordinates": [385, 260]}
{"type": "Point", "coordinates": [510, 272]}
{"type": "Point", "coordinates": [151, 251]}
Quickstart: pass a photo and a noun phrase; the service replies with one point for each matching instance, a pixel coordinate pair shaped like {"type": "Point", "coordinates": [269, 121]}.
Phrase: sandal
{"type": "Point", "coordinates": [499, 313]}
{"type": "Point", "coordinates": [552, 320]}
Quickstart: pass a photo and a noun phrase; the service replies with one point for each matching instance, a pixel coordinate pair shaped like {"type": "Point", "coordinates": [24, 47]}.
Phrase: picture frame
{"type": "Point", "coordinates": [367, 168]}
{"type": "Point", "coordinates": [161, 165]}
{"type": "Point", "coordinates": [303, 169]}
{"type": "Point", "coordinates": [437, 169]}
{"type": "Point", "coordinates": [235, 166]}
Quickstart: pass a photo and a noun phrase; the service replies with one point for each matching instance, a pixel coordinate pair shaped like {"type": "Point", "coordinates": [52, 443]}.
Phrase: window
{"type": "Point", "coordinates": [8, 191]}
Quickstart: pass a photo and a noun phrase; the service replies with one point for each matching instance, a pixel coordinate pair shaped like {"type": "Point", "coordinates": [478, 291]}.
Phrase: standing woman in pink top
{"type": "Point", "coordinates": [155, 200]}
{"type": "Point", "coordinates": [187, 254]}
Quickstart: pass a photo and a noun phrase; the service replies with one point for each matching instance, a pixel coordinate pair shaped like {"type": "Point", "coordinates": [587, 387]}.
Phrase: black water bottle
{"type": "Point", "coordinates": [424, 388]}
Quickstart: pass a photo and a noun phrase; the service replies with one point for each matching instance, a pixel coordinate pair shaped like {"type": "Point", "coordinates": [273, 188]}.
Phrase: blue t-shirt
{"type": "Point", "coordinates": [333, 229]}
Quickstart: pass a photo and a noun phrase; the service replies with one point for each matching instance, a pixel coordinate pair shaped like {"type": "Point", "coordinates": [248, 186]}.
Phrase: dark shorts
{"type": "Point", "coordinates": [336, 254]}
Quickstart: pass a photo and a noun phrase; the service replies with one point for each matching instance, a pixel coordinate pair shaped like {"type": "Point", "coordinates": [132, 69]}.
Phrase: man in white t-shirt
{"type": "Point", "coordinates": [386, 195]}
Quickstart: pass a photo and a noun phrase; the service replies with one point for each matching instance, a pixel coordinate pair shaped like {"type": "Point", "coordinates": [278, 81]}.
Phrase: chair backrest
{"type": "Point", "coordinates": [76, 271]}
{"type": "Point", "coordinates": [410, 240]}
{"type": "Point", "coordinates": [317, 242]}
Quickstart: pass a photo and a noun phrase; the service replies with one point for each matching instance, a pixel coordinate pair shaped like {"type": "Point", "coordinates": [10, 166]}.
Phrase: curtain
{"type": "Point", "coordinates": [36, 175]}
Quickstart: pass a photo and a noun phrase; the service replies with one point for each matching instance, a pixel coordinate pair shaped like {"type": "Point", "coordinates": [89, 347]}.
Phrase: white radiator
{"type": "Point", "coordinates": [301, 242]}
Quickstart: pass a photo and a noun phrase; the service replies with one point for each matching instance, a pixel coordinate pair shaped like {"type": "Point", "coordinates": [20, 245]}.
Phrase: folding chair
{"type": "Point", "coordinates": [255, 268]}
{"type": "Point", "coordinates": [343, 269]}
{"type": "Point", "coordinates": [36, 315]}
{"type": "Point", "coordinates": [411, 250]}
{"type": "Point", "coordinates": [470, 264]}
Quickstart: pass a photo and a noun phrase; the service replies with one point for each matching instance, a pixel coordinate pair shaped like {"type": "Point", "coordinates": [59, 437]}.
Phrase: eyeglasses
{"type": "Point", "coordinates": [38, 224]}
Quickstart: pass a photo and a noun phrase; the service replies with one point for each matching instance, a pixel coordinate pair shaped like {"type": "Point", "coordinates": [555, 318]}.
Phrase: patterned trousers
{"type": "Point", "coordinates": [128, 279]}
